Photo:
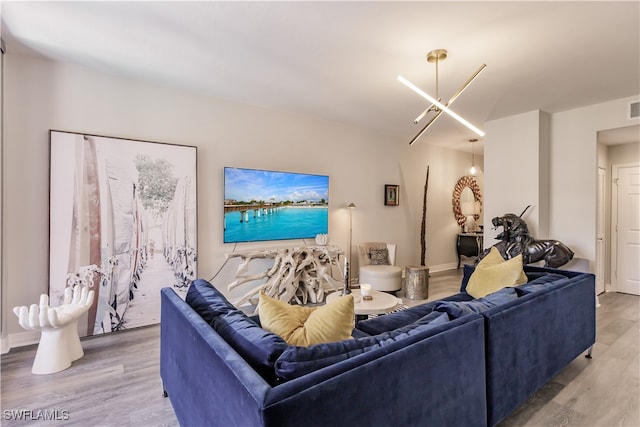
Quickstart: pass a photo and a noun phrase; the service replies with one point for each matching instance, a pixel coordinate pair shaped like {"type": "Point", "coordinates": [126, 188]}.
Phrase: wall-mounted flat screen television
{"type": "Point", "coordinates": [264, 205]}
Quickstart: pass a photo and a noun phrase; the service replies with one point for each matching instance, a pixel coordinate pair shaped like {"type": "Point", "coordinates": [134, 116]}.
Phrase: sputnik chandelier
{"type": "Point", "coordinates": [436, 105]}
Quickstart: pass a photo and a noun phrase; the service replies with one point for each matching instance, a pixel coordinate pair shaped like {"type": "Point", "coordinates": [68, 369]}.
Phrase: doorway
{"type": "Point", "coordinates": [625, 228]}
{"type": "Point", "coordinates": [617, 148]}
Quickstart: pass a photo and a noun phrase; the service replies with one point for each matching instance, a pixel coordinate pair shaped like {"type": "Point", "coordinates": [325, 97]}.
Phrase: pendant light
{"type": "Point", "coordinates": [473, 169]}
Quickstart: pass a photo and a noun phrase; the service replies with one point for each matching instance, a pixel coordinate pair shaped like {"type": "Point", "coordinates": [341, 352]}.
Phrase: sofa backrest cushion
{"type": "Point", "coordinates": [541, 283]}
{"type": "Point", "coordinates": [398, 319]}
{"type": "Point", "coordinates": [532, 272]}
{"type": "Point", "coordinates": [457, 309]}
{"type": "Point", "coordinates": [298, 361]}
{"type": "Point", "coordinates": [206, 300]}
{"type": "Point", "coordinates": [260, 348]}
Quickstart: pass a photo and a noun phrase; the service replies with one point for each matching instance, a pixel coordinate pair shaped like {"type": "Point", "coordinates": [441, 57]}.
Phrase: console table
{"type": "Point", "coordinates": [299, 274]}
{"type": "Point", "coordinates": [469, 245]}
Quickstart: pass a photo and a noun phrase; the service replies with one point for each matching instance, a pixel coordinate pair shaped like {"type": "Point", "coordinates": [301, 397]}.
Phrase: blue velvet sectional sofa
{"type": "Point", "coordinates": [530, 340]}
{"type": "Point", "coordinates": [458, 361]}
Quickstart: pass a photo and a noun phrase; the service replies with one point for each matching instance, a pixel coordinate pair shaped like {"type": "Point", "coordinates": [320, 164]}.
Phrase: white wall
{"type": "Point", "coordinates": [515, 151]}
{"type": "Point", "coordinates": [522, 149]}
{"type": "Point", "coordinates": [574, 137]}
{"type": "Point", "coordinates": [441, 225]}
{"type": "Point", "coordinates": [41, 95]}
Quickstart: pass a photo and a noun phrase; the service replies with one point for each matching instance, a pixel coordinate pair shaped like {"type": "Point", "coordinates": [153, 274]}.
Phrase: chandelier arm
{"type": "Point", "coordinates": [455, 95]}
{"type": "Point", "coordinates": [424, 113]}
{"type": "Point", "coordinates": [465, 84]}
{"type": "Point", "coordinates": [439, 105]}
{"type": "Point", "coordinates": [433, 119]}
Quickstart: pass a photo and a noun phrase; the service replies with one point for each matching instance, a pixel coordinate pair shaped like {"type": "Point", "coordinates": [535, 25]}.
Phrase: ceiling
{"type": "Point", "coordinates": [339, 60]}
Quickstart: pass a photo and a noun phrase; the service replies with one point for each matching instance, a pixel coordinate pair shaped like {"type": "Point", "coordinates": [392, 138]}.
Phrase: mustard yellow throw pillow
{"type": "Point", "coordinates": [494, 257]}
{"type": "Point", "coordinates": [494, 273]}
{"type": "Point", "coordinates": [305, 326]}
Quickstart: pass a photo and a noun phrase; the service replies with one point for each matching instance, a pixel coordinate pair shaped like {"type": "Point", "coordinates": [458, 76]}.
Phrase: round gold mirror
{"type": "Point", "coordinates": [466, 194]}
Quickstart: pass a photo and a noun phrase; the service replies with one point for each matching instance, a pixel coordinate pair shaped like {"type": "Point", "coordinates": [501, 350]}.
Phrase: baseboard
{"type": "Point", "coordinates": [437, 268]}
{"type": "Point", "coordinates": [19, 340]}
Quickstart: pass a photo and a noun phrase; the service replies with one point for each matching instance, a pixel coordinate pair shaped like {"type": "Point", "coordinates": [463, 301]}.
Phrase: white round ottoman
{"type": "Point", "coordinates": [386, 278]}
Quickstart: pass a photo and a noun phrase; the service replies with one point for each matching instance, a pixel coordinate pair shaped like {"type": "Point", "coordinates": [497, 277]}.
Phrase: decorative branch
{"type": "Point", "coordinates": [423, 225]}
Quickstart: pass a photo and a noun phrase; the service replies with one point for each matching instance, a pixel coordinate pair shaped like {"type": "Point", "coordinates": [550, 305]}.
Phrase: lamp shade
{"type": "Point", "coordinates": [474, 170]}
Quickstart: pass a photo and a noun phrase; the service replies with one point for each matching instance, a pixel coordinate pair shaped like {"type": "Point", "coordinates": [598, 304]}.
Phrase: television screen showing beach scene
{"type": "Point", "coordinates": [264, 205]}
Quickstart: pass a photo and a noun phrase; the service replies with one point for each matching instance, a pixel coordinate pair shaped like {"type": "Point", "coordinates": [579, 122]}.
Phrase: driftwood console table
{"type": "Point", "coordinates": [299, 274]}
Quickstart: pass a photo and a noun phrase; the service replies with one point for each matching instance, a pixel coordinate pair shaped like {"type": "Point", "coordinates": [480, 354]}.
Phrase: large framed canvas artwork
{"type": "Point", "coordinates": [123, 219]}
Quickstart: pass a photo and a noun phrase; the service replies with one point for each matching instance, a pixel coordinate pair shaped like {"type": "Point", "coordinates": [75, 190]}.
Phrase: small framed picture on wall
{"type": "Point", "coordinates": [391, 195]}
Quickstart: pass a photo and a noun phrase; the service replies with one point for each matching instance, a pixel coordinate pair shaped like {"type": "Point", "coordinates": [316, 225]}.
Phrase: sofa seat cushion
{"type": "Point", "coordinates": [260, 348]}
{"type": "Point", "coordinates": [297, 361]}
{"type": "Point", "coordinates": [457, 309]}
{"type": "Point", "coordinates": [541, 283]}
{"type": "Point", "coordinates": [304, 326]}
{"type": "Point", "coordinates": [398, 319]}
{"type": "Point", "coordinates": [493, 273]}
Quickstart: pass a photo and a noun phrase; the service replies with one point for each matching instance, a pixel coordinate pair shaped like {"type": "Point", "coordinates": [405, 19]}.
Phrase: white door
{"type": "Point", "coordinates": [600, 233]}
{"type": "Point", "coordinates": [626, 223]}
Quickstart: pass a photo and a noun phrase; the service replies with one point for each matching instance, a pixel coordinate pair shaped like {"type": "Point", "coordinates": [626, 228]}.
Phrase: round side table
{"type": "Point", "coordinates": [380, 303]}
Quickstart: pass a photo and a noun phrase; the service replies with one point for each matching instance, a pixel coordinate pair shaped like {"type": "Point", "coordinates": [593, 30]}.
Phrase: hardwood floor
{"type": "Point", "coordinates": [602, 391]}
{"type": "Point", "coordinates": [117, 382]}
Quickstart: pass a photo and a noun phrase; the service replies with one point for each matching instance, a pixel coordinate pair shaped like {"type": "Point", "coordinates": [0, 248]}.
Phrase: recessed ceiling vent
{"type": "Point", "coordinates": [634, 109]}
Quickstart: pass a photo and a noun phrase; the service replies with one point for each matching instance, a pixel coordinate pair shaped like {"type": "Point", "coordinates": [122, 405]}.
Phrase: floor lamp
{"type": "Point", "coordinates": [351, 206]}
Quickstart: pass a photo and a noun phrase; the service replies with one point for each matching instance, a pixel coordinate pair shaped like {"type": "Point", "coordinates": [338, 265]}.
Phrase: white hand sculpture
{"type": "Point", "coordinates": [59, 343]}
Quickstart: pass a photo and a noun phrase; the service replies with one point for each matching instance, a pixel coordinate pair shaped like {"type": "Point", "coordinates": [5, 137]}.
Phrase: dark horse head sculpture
{"type": "Point", "coordinates": [515, 240]}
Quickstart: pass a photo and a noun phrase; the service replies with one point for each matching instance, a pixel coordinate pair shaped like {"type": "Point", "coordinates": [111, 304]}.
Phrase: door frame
{"type": "Point", "coordinates": [614, 221]}
{"type": "Point", "coordinates": [602, 232]}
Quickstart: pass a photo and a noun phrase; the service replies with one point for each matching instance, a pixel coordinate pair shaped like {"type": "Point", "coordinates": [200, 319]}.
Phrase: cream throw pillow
{"type": "Point", "coordinates": [305, 326]}
{"type": "Point", "coordinates": [494, 273]}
